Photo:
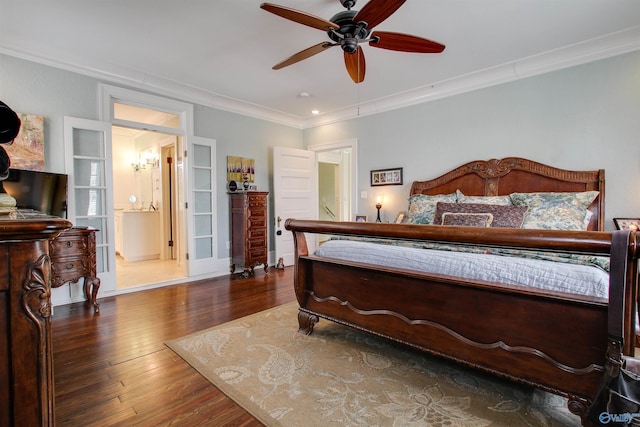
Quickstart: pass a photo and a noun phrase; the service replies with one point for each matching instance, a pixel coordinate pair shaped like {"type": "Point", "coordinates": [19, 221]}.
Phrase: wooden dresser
{"type": "Point", "coordinates": [249, 231]}
{"type": "Point", "coordinates": [73, 256]}
{"type": "Point", "coordinates": [26, 361]}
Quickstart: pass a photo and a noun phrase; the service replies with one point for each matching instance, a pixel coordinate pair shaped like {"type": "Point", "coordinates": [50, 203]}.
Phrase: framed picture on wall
{"type": "Point", "coordinates": [386, 177]}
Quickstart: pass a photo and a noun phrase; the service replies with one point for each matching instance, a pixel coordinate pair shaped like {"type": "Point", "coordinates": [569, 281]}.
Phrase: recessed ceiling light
{"type": "Point", "coordinates": [314, 112]}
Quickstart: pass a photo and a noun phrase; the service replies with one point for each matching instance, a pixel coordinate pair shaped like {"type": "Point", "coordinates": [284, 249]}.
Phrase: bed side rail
{"type": "Point", "coordinates": [593, 242]}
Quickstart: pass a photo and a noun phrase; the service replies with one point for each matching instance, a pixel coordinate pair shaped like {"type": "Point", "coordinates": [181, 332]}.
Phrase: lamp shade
{"type": "Point", "coordinates": [9, 124]}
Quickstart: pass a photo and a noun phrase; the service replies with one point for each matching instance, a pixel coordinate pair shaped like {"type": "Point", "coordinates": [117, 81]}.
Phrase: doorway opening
{"type": "Point", "coordinates": [336, 165]}
{"type": "Point", "coordinates": [148, 238]}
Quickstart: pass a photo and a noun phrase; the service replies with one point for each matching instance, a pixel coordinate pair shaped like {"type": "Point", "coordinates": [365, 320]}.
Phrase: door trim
{"type": "Point", "coordinates": [339, 145]}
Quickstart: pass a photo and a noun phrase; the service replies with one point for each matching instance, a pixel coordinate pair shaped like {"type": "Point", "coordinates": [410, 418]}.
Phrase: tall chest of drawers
{"type": "Point", "coordinates": [249, 231]}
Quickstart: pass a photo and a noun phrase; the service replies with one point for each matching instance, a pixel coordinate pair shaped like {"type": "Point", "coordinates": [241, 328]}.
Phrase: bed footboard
{"type": "Point", "coordinates": [553, 341]}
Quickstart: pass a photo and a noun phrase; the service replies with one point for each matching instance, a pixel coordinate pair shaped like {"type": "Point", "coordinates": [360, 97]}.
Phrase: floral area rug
{"type": "Point", "coordinates": [339, 376]}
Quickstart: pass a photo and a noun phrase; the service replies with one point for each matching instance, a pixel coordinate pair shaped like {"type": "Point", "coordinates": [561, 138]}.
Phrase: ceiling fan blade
{"type": "Point", "coordinates": [377, 11]}
{"type": "Point", "coordinates": [404, 43]}
{"type": "Point", "coordinates": [355, 64]}
{"type": "Point", "coordinates": [299, 17]}
{"type": "Point", "coordinates": [303, 54]}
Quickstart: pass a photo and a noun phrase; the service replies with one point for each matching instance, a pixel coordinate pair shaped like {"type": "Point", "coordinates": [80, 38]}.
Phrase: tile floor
{"type": "Point", "coordinates": [140, 273]}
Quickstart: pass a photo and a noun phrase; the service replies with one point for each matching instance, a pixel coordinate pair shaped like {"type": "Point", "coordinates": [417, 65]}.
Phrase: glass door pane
{"type": "Point", "coordinates": [202, 206]}
{"type": "Point", "coordinates": [87, 144]}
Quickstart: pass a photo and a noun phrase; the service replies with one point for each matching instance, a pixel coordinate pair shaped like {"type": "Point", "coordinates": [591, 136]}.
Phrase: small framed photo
{"type": "Point", "coordinates": [386, 177]}
{"type": "Point", "coordinates": [632, 224]}
{"type": "Point", "coordinates": [400, 217]}
{"type": "Point", "coordinates": [361, 218]}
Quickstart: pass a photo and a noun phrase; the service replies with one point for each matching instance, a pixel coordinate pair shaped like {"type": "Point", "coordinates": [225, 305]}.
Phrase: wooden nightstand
{"type": "Point", "coordinates": [73, 256]}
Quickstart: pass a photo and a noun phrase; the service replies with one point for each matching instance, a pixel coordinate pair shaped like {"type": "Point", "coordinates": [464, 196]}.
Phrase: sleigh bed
{"type": "Point", "coordinates": [555, 340]}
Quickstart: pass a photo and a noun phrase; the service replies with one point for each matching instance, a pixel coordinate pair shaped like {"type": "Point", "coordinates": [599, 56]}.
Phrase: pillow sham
{"type": "Point", "coordinates": [422, 207]}
{"type": "Point", "coordinates": [503, 216]}
{"type": "Point", "coordinates": [555, 211]}
{"type": "Point", "coordinates": [485, 200]}
{"type": "Point", "coordinates": [467, 219]}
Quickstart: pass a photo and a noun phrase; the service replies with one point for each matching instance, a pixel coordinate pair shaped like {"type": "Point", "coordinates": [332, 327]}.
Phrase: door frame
{"type": "Point", "coordinates": [348, 182]}
{"type": "Point", "coordinates": [108, 95]}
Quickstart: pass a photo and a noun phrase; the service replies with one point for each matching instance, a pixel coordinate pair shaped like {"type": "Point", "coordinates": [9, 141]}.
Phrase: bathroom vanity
{"type": "Point", "coordinates": [138, 234]}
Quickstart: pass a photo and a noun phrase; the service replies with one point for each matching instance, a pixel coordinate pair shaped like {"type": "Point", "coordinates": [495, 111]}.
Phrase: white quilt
{"type": "Point", "coordinates": [541, 274]}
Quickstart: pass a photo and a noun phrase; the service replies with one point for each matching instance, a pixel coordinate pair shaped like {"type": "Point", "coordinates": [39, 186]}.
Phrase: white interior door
{"type": "Point", "coordinates": [89, 195]}
{"type": "Point", "coordinates": [201, 214]}
{"type": "Point", "coordinates": [295, 185]}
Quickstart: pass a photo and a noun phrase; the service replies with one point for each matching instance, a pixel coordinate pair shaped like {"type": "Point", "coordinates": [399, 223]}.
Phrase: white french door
{"type": "Point", "coordinates": [89, 198]}
{"type": "Point", "coordinates": [201, 213]}
{"type": "Point", "coordinates": [295, 188]}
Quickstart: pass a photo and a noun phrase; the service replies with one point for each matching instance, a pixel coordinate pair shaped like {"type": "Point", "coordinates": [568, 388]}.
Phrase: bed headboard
{"type": "Point", "coordinates": [498, 177]}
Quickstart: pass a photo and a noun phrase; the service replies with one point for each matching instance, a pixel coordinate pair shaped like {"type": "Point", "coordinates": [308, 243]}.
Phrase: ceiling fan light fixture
{"type": "Point", "coordinates": [349, 28]}
{"type": "Point", "coordinates": [349, 45]}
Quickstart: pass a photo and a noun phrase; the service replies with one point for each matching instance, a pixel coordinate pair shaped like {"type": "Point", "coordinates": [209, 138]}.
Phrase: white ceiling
{"type": "Point", "coordinates": [220, 52]}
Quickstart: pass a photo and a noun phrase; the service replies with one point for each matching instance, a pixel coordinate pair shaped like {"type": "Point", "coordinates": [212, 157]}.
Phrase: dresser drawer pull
{"type": "Point", "coordinates": [69, 244]}
{"type": "Point", "coordinates": [70, 266]}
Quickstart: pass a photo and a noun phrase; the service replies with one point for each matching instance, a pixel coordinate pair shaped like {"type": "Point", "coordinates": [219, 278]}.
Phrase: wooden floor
{"type": "Point", "coordinates": [113, 368]}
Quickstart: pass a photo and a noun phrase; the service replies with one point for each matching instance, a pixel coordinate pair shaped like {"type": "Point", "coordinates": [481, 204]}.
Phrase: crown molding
{"type": "Point", "coordinates": [576, 54]}
{"type": "Point", "coordinates": [111, 73]}
{"type": "Point", "coordinates": [608, 46]}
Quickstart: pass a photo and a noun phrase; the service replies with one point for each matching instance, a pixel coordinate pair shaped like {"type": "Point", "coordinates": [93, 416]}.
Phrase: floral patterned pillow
{"type": "Point", "coordinates": [555, 211]}
{"type": "Point", "coordinates": [467, 219]}
{"type": "Point", "coordinates": [485, 200]}
{"type": "Point", "coordinates": [503, 216]}
{"type": "Point", "coordinates": [422, 208]}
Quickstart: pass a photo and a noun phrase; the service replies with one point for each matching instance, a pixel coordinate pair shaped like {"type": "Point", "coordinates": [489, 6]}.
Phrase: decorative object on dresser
{"type": "Point", "coordinates": [73, 256]}
{"type": "Point", "coordinates": [26, 360]}
{"type": "Point", "coordinates": [248, 231]}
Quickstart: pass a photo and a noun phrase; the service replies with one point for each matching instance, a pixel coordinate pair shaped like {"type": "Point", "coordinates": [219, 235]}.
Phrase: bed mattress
{"type": "Point", "coordinates": [564, 277]}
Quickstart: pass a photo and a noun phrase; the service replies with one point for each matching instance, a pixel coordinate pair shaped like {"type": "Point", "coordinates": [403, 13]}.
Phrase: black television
{"type": "Point", "coordinates": [43, 191]}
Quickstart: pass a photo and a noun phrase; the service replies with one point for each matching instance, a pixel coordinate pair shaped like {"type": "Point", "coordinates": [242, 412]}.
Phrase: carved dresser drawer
{"type": "Point", "coordinates": [73, 256]}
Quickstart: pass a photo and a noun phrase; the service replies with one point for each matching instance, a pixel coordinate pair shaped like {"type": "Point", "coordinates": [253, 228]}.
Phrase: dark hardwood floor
{"type": "Point", "coordinates": [113, 368]}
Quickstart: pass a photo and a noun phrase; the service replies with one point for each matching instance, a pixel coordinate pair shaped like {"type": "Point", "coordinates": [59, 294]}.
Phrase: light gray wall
{"type": "Point", "coordinates": [242, 136]}
{"type": "Point", "coordinates": [585, 117]}
{"type": "Point", "coordinates": [46, 91]}
{"type": "Point", "coordinates": [53, 93]}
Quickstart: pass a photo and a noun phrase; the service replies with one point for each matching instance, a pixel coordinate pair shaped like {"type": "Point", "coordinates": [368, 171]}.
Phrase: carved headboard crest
{"type": "Point", "coordinates": [515, 174]}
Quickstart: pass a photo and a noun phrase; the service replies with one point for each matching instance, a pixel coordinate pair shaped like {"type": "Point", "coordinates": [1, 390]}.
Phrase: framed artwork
{"type": "Point", "coordinates": [361, 218]}
{"type": "Point", "coordinates": [240, 169]}
{"type": "Point", "coordinates": [400, 217]}
{"type": "Point", "coordinates": [632, 224]}
{"type": "Point", "coordinates": [27, 150]}
{"type": "Point", "coordinates": [386, 177]}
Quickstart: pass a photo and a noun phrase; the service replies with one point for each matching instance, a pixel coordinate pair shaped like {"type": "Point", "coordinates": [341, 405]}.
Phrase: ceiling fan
{"type": "Point", "coordinates": [349, 28]}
